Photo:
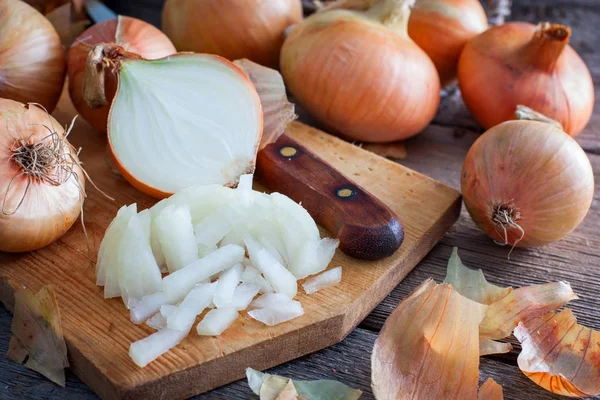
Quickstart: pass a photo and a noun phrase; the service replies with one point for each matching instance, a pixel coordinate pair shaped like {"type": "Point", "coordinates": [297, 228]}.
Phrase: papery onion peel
{"type": "Point", "coordinates": [560, 355]}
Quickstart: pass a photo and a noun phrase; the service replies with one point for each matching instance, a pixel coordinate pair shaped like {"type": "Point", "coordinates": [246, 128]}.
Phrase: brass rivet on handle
{"type": "Point", "coordinates": [346, 192]}
{"type": "Point", "coordinates": [288, 151]}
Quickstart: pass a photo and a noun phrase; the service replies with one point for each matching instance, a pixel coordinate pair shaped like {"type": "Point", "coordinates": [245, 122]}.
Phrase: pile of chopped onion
{"type": "Point", "coordinates": [221, 247]}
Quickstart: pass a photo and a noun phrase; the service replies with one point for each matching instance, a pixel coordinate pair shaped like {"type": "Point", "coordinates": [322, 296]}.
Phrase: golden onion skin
{"type": "Point", "coordinates": [360, 78]}
{"type": "Point", "coordinates": [536, 170]}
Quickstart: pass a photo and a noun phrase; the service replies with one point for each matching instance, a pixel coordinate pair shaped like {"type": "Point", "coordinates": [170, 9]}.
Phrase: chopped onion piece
{"type": "Point", "coordinates": [246, 182]}
{"type": "Point", "coordinates": [217, 321]}
{"type": "Point", "coordinates": [269, 300]}
{"type": "Point", "coordinates": [313, 257]}
{"type": "Point", "coordinates": [146, 350]}
{"type": "Point", "coordinates": [179, 283]}
{"type": "Point", "coordinates": [138, 273]}
{"type": "Point", "coordinates": [270, 247]}
{"type": "Point", "coordinates": [107, 267]}
{"type": "Point", "coordinates": [176, 236]}
{"type": "Point", "coordinates": [323, 280]}
{"type": "Point", "coordinates": [203, 250]}
{"type": "Point", "coordinates": [253, 275]}
{"type": "Point", "coordinates": [157, 321]}
{"type": "Point", "coordinates": [228, 281]}
{"type": "Point", "coordinates": [276, 274]}
{"type": "Point", "coordinates": [167, 310]}
{"type": "Point", "coordinates": [212, 229]}
{"type": "Point", "coordinates": [277, 314]}
{"type": "Point", "coordinates": [192, 306]}
{"type": "Point", "coordinates": [147, 306]}
{"type": "Point", "coordinates": [243, 295]}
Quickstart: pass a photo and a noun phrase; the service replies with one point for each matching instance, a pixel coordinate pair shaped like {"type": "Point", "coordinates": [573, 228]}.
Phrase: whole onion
{"type": "Point", "coordinates": [131, 34]}
{"type": "Point", "coordinates": [520, 63]}
{"type": "Point", "coordinates": [526, 182]}
{"type": "Point", "coordinates": [359, 73]}
{"type": "Point", "coordinates": [252, 29]}
{"type": "Point", "coordinates": [443, 27]}
{"type": "Point", "coordinates": [41, 181]}
{"type": "Point", "coordinates": [32, 59]}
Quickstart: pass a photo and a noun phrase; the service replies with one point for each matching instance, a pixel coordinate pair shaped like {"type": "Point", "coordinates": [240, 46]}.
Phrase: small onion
{"type": "Point", "coordinates": [519, 63]}
{"type": "Point", "coordinates": [443, 27]}
{"type": "Point", "coordinates": [252, 29]}
{"type": "Point", "coordinates": [527, 183]}
{"type": "Point", "coordinates": [131, 34]}
{"type": "Point", "coordinates": [41, 199]}
{"type": "Point", "coordinates": [359, 73]}
{"type": "Point", "coordinates": [32, 60]}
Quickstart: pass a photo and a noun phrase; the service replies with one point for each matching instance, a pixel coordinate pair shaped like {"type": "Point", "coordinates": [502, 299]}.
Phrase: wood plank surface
{"type": "Point", "coordinates": [438, 153]}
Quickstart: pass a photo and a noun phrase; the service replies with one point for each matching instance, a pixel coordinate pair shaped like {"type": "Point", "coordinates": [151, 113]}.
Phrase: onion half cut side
{"type": "Point", "coordinates": [180, 121]}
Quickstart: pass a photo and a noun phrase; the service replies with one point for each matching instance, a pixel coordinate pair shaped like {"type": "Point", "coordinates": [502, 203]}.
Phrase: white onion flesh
{"type": "Point", "coordinates": [277, 314]}
{"type": "Point", "coordinates": [157, 322]}
{"type": "Point", "coordinates": [243, 295]}
{"type": "Point", "coordinates": [325, 279]}
{"type": "Point", "coordinates": [147, 306]}
{"type": "Point", "coordinates": [179, 283]}
{"type": "Point", "coordinates": [176, 236]}
{"type": "Point", "coordinates": [193, 305]}
{"type": "Point", "coordinates": [269, 300]}
{"type": "Point", "coordinates": [217, 321]}
{"type": "Point", "coordinates": [228, 281]}
{"type": "Point", "coordinates": [198, 119]}
{"type": "Point", "coordinates": [148, 349]}
{"type": "Point", "coordinates": [138, 275]}
{"type": "Point", "coordinates": [279, 277]}
{"type": "Point", "coordinates": [216, 228]}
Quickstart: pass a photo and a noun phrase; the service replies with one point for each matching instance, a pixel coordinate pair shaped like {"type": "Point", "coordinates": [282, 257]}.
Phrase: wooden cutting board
{"type": "Point", "coordinates": [98, 332]}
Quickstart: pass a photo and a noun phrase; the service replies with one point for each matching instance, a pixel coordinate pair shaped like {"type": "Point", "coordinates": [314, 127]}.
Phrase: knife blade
{"type": "Point", "coordinates": [367, 228]}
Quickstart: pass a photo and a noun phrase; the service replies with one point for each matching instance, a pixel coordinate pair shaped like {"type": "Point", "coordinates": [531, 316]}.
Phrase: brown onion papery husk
{"type": "Point", "coordinates": [131, 34]}
{"type": "Point", "coordinates": [442, 28]}
{"type": "Point", "coordinates": [32, 59]}
{"type": "Point", "coordinates": [47, 211]}
{"type": "Point", "coordinates": [527, 183]}
{"type": "Point", "coordinates": [520, 63]}
{"type": "Point", "coordinates": [252, 29]}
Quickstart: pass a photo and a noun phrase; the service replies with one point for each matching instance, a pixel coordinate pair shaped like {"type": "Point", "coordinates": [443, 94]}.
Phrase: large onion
{"type": "Point", "coordinates": [130, 33]}
{"type": "Point", "coordinates": [359, 73]}
{"type": "Point", "coordinates": [32, 60]}
{"type": "Point", "coordinates": [41, 182]}
{"type": "Point", "coordinates": [519, 63]}
{"type": "Point", "coordinates": [252, 29]}
{"type": "Point", "coordinates": [443, 27]}
{"type": "Point", "coordinates": [527, 183]}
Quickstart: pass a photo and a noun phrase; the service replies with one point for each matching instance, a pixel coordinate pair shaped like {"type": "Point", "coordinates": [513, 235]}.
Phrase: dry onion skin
{"type": "Point", "coordinates": [132, 35]}
{"type": "Point", "coordinates": [519, 63]}
{"type": "Point", "coordinates": [253, 29]}
{"type": "Point", "coordinates": [527, 183]}
{"type": "Point", "coordinates": [41, 181]}
{"type": "Point", "coordinates": [222, 247]}
{"type": "Point", "coordinates": [359, 73]}
{"type": "Point", "coordinates": [429, 347]}
{"type": "Point", "coordinates": [274, 387]}
{"type": "Point", "coordinates": [32, 59]}
{"type": "Point", "coordinates": [442, 28]}
{"type": "Point", "coordinates": [490, 390]}
{"type": "Point", "coordinates": [560, 355]}
{"type": "Point", "coordinates": [38, 334]}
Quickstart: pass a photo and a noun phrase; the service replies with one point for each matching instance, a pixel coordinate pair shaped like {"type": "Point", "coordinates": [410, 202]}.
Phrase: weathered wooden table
{"type": "Point", "coordinates": [437, 152]}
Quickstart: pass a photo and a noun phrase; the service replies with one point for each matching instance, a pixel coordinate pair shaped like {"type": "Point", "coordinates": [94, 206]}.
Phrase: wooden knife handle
{"type": "Point", "coordinates": [367, 228]}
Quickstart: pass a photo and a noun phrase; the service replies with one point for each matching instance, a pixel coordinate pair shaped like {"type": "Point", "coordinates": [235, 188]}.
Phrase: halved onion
{"type": "Point", "coordinates": [187, 119]}
{"type": "Point", "coordinates": [560, 355]}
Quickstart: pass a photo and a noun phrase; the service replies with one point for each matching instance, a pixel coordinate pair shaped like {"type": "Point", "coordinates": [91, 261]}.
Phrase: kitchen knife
{"type": "Point", "coordinates": [366, 228]}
